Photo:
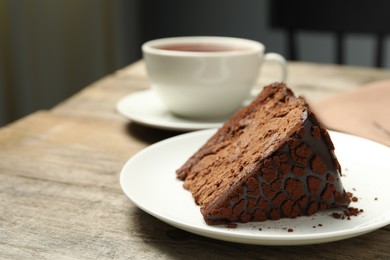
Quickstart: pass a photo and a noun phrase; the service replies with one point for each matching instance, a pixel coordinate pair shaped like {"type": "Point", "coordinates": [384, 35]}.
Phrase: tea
{"type": "Point", "coordinates": [199, 47]}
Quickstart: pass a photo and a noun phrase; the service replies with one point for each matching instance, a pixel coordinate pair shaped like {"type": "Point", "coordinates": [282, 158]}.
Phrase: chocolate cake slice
{"type": "Point", "coordinates": [270, 160]}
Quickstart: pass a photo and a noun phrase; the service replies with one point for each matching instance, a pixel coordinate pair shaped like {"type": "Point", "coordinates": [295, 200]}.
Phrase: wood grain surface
{"type": "Point", "coordinates": [60, 196]}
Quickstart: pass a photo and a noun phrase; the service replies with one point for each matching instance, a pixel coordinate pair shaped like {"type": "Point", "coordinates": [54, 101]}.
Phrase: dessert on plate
{"type": "Point", "coordinates": [272, 159]}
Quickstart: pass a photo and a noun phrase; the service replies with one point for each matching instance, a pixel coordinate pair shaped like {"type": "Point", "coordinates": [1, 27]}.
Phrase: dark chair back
{"type": "Point", "coordinates": [340, 17]}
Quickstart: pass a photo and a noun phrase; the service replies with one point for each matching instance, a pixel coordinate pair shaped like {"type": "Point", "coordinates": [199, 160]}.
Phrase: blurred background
{"type": "Point", "coordinates": [50, 49]}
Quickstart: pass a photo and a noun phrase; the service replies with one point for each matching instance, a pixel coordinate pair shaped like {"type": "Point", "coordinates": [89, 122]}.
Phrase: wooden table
{"type": "Point", "coordinates": [59, 180]}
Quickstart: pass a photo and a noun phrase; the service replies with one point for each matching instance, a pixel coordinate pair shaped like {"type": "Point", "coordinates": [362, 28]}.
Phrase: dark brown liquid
{"type": "Point", "coordinates": [195, 47]}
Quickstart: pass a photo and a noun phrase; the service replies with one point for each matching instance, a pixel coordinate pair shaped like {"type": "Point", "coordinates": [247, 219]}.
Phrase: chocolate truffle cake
{"type": "Point", "coordinates": [270, 160]}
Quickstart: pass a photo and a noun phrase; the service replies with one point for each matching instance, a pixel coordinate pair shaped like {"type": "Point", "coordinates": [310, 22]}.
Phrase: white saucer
{"type": "Point", "coordinates": [153, 187]}
{"type": "Point", "coordinates": [144, 107]}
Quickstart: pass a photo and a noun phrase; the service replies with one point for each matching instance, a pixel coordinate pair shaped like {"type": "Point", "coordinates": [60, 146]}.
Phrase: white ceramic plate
{"type": "Point", "coordinates": [144, 107]}
{"type": "Point", "coordinates": [149, 180]}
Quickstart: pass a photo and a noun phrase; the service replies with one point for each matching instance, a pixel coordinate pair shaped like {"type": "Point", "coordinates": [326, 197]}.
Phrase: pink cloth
{"type": "Point", "coordinates": [364, 111]}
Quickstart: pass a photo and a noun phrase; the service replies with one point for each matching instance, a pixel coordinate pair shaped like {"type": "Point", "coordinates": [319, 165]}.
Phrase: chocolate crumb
{"type": "Point", "coordinates": [336, 215]}
{"type": "Point", "coordinates": [320, 225]}
{"type": "Point", "coordinates": [231, 225]}
{"type": "Point", "coordinates": [290, 230]}
{"type": "Point", "coordinates": [376, 198]}
{"type": "Point", "coordinates": [355, 199]}
{"type": "Point", "coordinates": [260, 229]}
{"type": "Point", "coordinates": [348, 213]}
{"type": "Point", "coordinates": [351, 211]}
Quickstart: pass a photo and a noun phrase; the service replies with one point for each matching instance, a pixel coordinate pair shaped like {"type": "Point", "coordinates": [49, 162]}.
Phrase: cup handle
{"type": "Point", "coordinates": [281, 61]}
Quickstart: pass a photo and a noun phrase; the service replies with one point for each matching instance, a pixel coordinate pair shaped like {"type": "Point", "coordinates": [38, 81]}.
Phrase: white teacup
{"type": "Point", "coordinates": [205, 77]}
